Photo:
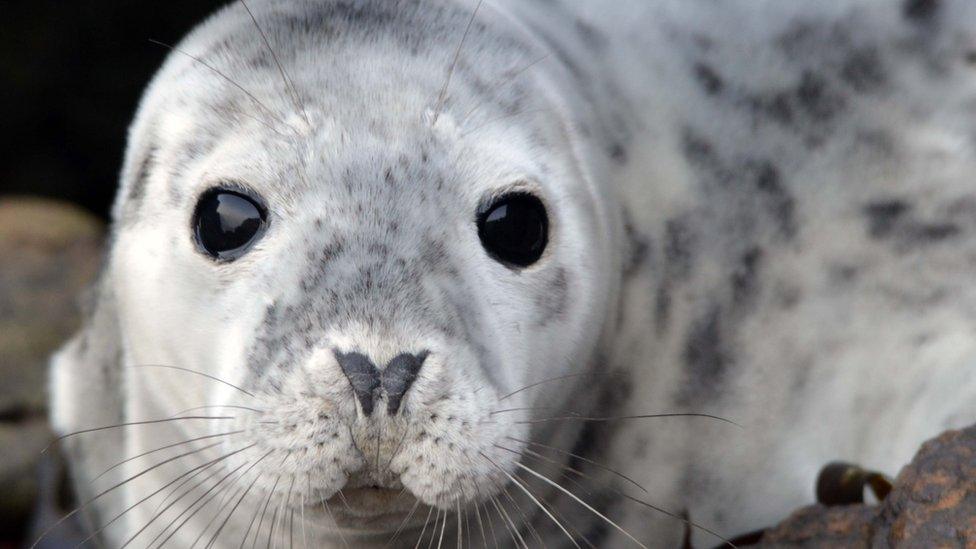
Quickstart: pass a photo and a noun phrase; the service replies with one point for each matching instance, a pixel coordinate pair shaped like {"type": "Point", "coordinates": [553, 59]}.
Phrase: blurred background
{"type": "Point", "coordinates": [71, 73]}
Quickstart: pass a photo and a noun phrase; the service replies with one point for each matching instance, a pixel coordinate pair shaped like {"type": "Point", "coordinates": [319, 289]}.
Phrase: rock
{"type": "Point", "coordinates": [51, 252]}
{"type": "Point", "coordinates": [933, 504]}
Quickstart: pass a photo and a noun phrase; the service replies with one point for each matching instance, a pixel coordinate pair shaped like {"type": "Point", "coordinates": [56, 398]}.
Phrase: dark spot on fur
{"type": "Point", "coordinates": [678, 243]}
{"type": "Point", "coordinates": [863, 70]}
{"type": "Point", "coordinates": [707, 356]}
{"type": "Point", "coordinates": [617, 152]}
{"type": "Point", "coordinates": [778, 198]}
{"type": "Point", "coordinates": [638, 249]}
{"type": "Point", "coordinates": [662, 306]}
{"type": "Point", "coordinates": [882, 216]}
{"type": "Point", "coordinates": [678, 246]}
{"type": "Point", "coordinates": [815, 97]}
{"type": "Point", "coordinates": [920, 10]}
{"type": "Point", "coordinates": [776, 107]}
{"type": "Point", "coordinates": [843, 274]}
{"type": "Point", "coordinates": [709, 80]}
{"type": "Point", "coordinates": [699, 152]}
{"type": "Point", "coordinates": [554, 300]}
{"type": "Point", "coordinates": [590, 35]}
{"type": "Point", "coordinates": [745, 282]}
{"type": "Point", "coordinates": [892, 219]}
{"type": "Point", "coordinates": [933, 232]}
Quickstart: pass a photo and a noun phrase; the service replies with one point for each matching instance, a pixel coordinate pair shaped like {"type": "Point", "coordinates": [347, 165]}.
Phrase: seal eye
{"type": "Point", "coordinates": [514, 229]}
{"type": "Point", "coordinates": [226, 223]}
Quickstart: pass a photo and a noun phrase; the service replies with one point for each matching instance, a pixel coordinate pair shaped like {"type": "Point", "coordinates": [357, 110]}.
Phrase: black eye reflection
{"type": "Point", "coordinates": [514, 229]}
{"type": "Point", "coordinates": [226, 223]}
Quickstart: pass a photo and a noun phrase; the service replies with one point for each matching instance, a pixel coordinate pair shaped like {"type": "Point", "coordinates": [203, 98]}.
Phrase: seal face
{"type": "Point", "coordinates": [389, 272]}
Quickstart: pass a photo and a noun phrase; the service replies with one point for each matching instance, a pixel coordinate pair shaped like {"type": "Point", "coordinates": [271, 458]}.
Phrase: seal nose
{"type": "Point", "coordinates": [368, 381]}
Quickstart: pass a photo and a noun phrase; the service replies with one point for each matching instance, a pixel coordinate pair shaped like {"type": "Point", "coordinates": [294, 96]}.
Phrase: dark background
{"type": "Point", "coordinates": [72, 72]}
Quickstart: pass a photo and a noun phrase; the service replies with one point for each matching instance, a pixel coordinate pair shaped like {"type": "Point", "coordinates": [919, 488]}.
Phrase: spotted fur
{"type": "Point", "coordinates": [760, 209]}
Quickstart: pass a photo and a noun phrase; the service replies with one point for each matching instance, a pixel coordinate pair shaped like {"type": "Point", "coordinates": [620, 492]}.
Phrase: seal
{"type": "Point", "coordinates": [524, 272]}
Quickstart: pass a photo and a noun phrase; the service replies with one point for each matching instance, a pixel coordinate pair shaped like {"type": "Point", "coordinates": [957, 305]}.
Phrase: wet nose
{"type": "Point", "coordinates": [369, 382]}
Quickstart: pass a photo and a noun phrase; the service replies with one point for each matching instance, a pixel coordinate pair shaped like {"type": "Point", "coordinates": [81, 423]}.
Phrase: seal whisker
{"type": "Point", "coordinates": [131, 424]}
{"type": "Point", "coordinates": [580, 501]}
{"type": "Point", "coordinates": [178, 486]}
{"type": "Point", "coordinates": [236, 505]}
{"type": "Point", "coordinates": [533, 499]}
{"type": "Point", "coordinates": [161, 448]}
{"type": "Point", "coordinates": [620, 493]}
{"type": "Point", "coordinates": [191, 371]}
{"type": "Point", "coordinates": [509, 525]}
{"type": "Point", "coordinates": [433, 530]}
{"type": "Point", "coordinates": [153, 494]}
{"type": "Point", "coordinates": [527, 408]}
{"type": "Point", "coordinates": [639, 416]}
{"type": "Point", "coordinates": [467, 526]}
{"type": "Point", "coordinates": [287, 504]}
{"type": "Point", "coordinates": [457, 504]}
{"type": "Point", "coordinates": [396, 450]}
{"type": "Point", "coordinates": [161, 510]}
{"type": "Point", "coordinates": [503, 82]}
{"type": "Point", "coordinates": [491, 525]}
{"type": "Point", "coordinates": [558, 378]}
{"type": "Point", "coordinates": [503, 117]}
{"type": "Point", "coordinates": [247, 532]}
{"type": "Point", "coordinates": [581, 458]}
{"type": "Point", "coordinates": [525, 518]}
{"type": "Point", "coordinates": [424, 529]}
{"type": "Point", "coordinates": [289, 84]}
{"type": "Point", "coordinates": [262, 510]}
{"type": "Point", "coordinates": [442, 97]}
{"type": "Point", "coordinates": [291, 529]}
{"type": "Point", "coordinates": [116, 486]}
{"type": "Point", "coordinates": [244, 495]}
{"type": "Point", "coordinates": [273, 524]}
{"type": "Point", "coordinates": [328, 510]}
{"type": "Point", "coordinates": [230, 80]}
{"type": "Point", "coordinates": [481, 524]}
{"type": "Point", "coordinates": [210, 494]}
{"type": "Point", "coordinates": [403, 524]}
{"type": "Point", "coordinates": [226, 113]}
{"type": "Point", "coordinates": [304, 504]}
{"type": "Point", "coordinates": [225, 498]}
{"type": "Point", "coordinates": [440, 540]}
{"type": "Point", "coordinates": [212, 406]}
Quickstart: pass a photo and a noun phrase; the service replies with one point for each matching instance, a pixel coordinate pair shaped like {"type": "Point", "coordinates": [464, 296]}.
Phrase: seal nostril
{"type": "Point", "coordinates": [366, 379]}
{"type": "Point", "coordinates": [398, 376]}
{"type": "Point", "coordinates": [362, 375]}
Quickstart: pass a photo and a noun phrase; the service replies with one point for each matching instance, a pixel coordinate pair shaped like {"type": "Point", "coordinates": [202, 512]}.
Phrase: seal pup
{"type": "Point", "coordinates": [425, 272]}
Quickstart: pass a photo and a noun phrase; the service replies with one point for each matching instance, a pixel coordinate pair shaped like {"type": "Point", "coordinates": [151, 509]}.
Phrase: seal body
{"type": "Point", "coordinates": [760, 211]}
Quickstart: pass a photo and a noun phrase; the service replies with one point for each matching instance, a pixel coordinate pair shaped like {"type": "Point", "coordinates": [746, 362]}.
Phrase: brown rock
{"type": "Point", "coordinates": [933, 504]}
{"type": "Point", "coordinates": [49, 253]}
{"type": "Point", "coordinates": [824, 527]}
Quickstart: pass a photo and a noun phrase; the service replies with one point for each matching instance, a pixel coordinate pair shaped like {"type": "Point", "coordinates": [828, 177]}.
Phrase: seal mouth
{"type": "Point", "coordinates": [370, 508]}
{"type": "Point", "coordinates": [371, 499]}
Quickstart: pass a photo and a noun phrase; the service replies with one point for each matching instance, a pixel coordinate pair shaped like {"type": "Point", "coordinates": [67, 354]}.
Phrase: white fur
{"type": "Point", "coordinates": [862, 372]}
